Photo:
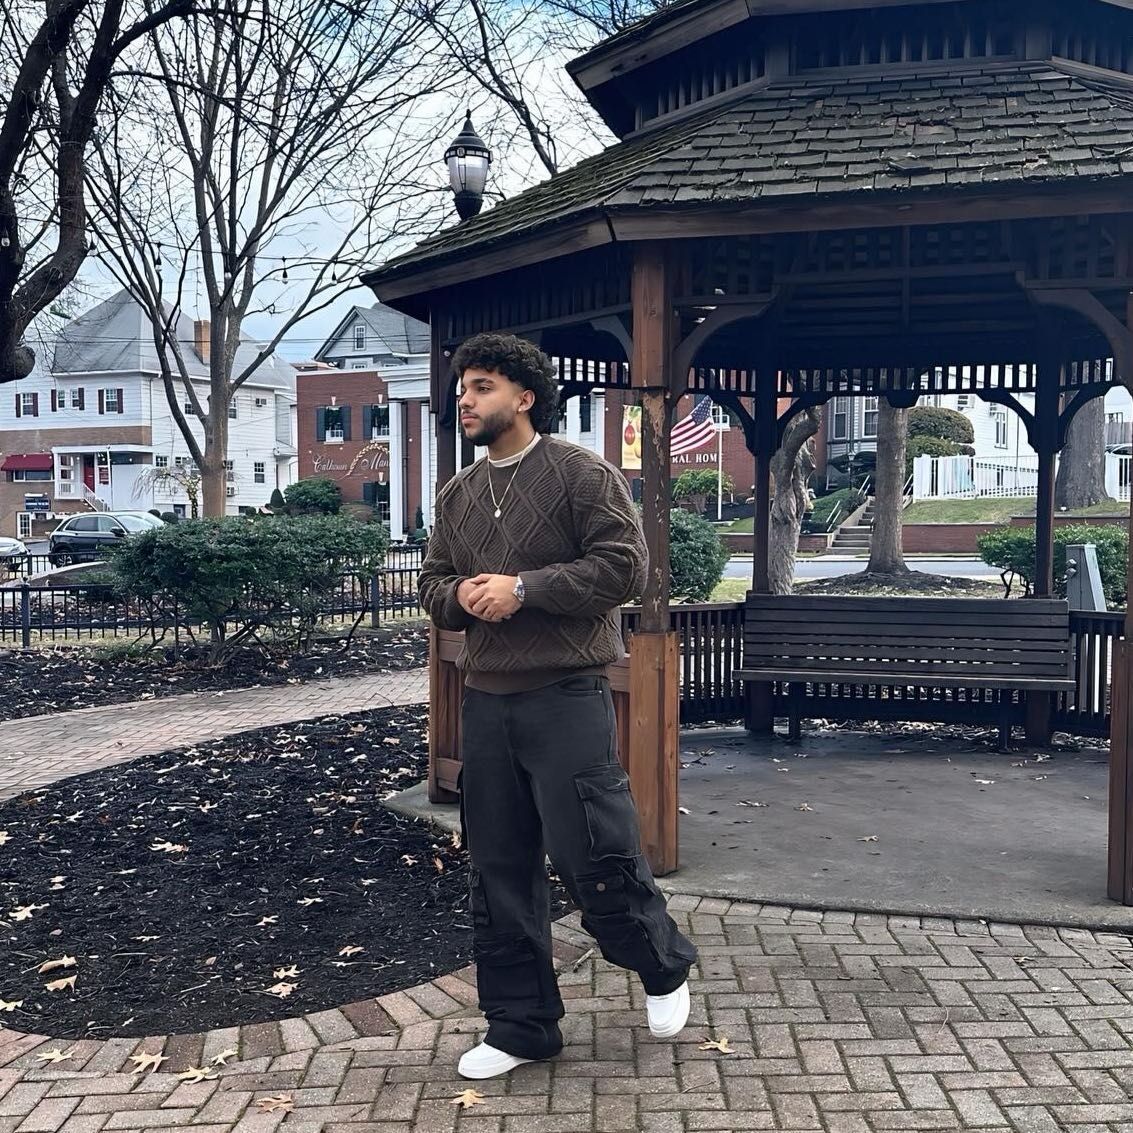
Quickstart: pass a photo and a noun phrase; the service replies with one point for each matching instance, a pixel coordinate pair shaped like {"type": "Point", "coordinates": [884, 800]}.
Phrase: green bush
{"type": "Point", "coordinates": [237, 578]}
{"type": "Point", "coordinates": [170, 517]}
{"type": "Point", "coordinates": [277, 502]}
{"type": "Point", "coordinates": [1012, 551]}
{"type": "Point", "coordinates": [317, 496]}
{"type": "Point", "coordinates": [933, 446]}
{"type": "Point", "coordinates": [696, 556]}
{"type": "Point", "coordinates": [849, 499]}
{"type": "Point", "coordinates": [946, 424]}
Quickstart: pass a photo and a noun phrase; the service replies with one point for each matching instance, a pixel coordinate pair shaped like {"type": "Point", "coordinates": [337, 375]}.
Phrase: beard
{"type": "Point", "coordinates": [487, 430]}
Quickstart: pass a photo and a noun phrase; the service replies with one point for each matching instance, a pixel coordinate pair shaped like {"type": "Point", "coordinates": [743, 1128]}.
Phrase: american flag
{"type": "Point", "coordinates": [695, 430]}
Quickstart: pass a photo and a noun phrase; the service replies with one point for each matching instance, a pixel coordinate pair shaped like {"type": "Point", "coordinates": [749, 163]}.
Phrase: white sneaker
{"type": "Point", "coordinates": [486, 1061]}
{"type": "Point", "coordinates": [668, 1014]}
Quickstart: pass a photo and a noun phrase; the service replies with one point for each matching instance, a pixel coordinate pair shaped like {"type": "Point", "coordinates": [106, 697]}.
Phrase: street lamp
{"type": "Point", "coordinates": [468, 159]}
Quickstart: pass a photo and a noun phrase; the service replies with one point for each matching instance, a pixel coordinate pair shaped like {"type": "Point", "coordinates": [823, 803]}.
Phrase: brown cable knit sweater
{"type": "Point", "coordinates": [569, 527]}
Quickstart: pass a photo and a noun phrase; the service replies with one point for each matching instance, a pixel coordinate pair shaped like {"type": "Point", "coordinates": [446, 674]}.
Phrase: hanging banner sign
{"type": "Point", "coordinates": [631, 437]}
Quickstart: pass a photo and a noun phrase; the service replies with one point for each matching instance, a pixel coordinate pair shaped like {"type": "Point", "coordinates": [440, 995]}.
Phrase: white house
{"type": "Point", "coordinates": [89, 424]}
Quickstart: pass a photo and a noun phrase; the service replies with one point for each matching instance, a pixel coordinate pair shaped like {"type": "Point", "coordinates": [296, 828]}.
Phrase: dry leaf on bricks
{"type": "Point", "coordinates": [56, 1055]}
{"type": "Point", "coordinates": [466, 1099]}
{"type": "Point", "coordinates": [222, 1058]}
{"type": "Point", "coordinates": [144, 1062]}
{"type": "Point", "coordinates": [720, 1044]}
{"type": "Point", "coordinates": [197, 1074]}
{"type": "Point", "coordinates": [282, 1102]}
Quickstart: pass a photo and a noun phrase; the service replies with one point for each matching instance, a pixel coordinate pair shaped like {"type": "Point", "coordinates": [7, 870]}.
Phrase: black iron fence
{"type": "Point", "coordinates": [32, 614]}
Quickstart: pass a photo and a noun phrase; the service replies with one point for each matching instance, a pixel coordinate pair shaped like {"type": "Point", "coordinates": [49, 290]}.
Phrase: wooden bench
{"type": "Point", "coordinates": [904, 644]}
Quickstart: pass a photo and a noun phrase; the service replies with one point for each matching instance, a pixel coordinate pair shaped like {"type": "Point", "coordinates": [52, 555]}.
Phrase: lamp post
{"type": "Point", "coordinates": [468, 159]}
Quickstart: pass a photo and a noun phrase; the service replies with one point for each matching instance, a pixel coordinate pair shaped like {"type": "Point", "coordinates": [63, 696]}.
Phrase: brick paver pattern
{"type": "Point", "coordinates": [842, 1022]}
{"type": "Point", "coordinates": [41, 749]}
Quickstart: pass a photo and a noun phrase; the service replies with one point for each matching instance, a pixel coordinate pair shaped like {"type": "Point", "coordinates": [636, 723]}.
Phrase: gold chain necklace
{"type": "Point", "coordinates": [492, 490]}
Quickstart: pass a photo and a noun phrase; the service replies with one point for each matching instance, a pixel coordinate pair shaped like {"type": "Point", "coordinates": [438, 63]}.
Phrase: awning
{"type": "Point", "coordinates": [27, 462]}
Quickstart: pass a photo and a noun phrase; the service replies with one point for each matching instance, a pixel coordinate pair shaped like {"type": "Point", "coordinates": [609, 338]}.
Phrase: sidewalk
{"type": "Point", "coordinates": [41, 749]}
{"type": "Point", "coordinates": [843, 1023]}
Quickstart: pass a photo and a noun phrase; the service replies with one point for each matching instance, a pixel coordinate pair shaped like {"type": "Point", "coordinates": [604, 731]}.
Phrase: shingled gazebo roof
{"type": "Point", "coordinates": [802, 141]}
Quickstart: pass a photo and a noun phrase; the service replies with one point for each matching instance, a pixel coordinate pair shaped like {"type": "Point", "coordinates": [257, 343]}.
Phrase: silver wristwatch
{"type": "Point", "coordinates": [519, 590]}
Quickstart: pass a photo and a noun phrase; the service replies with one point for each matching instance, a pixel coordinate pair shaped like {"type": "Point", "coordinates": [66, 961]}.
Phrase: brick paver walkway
{"type": "Point", "coordinates": [42, 749]}
{"type": "Point", "coordinates": [838, 1022]}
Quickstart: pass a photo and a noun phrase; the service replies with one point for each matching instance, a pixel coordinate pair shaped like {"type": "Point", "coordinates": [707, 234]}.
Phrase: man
{"type": "Point", "coordinates": [533, 550]}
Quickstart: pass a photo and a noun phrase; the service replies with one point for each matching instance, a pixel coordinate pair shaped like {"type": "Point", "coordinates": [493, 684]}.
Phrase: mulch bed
{"type": "Point", "coordinates": [914, 584]}
{"type": "Point", "coordinates": [245, 880]}
{"type": "Point", "coordinates": [39, 681]}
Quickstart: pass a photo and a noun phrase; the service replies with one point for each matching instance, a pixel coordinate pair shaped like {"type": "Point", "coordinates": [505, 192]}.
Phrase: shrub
{"type": "Point", "coordinates": [155, 512]}
{"type": "Point", "coordinates": [693, 489]}
{"type": "Point", "coordinates": [317, 496]}
{"type": "Point", "coordinates": [849, 499]}
{"type": "Point", "coordinates": [238, 578]}
{"type": "Point", "coordinates": [170, 517]}
{"type": "Point", "coordinates": [1012, 551]}
{"type": "Point", "coordinates": [933, 446]}
{"type": "Point", "coordinates": [696, 556]}
{"type": "Point", "coordinates": [277, 502]}
{"type": "Point", "coordinates": [946, 424]}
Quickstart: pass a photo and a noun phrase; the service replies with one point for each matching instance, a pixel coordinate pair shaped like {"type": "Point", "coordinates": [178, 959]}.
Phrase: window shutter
{"type": "Point", "coordinates": [82, 398]}
{"type": "Point", "coordinates": [19, 406]}
{"type": "Point", "coordinates": [102, 401]}
{"type": "Point", "coordinates": [368, 492]}
{"type": "Point", "coordinates": [367, 421]}
{"type": "Point", "coordinates": [54, 400]}
{"type": "Point", "coordinates": [344, 421]}
{"type": "Point", "coordinates": [320, 424]}
{"type": "Point", "coordinates": [35, 404]}
{"type": "Point", "coordinates": [121, 401]}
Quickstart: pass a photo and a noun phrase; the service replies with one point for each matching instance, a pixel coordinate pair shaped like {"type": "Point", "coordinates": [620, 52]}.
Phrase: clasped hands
{"type": "Point", "coordinates": [489, 597]}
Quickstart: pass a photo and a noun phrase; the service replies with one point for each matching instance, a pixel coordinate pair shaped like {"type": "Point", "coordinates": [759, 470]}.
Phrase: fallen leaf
{"type": "Point", "coordinates": [61, 985]}
{"type": "Point", "coordinates": [351, 950]}
{"type": "Point", "coordinates": [455, 840]}
{"type": "Point", "coordinates": [308, 901]}
{"type": "Point", "coordinates": [197, 1074]}
{"type": "Point", "coordinates": [266, 920]}
{"type": "Point", "coordinates": [4, 837]}
{"type": "Point", "coordinates": [24, 912]}
{"type": "Point", "coordinates": [282, 1102]}
{"type": "Point", "coordinates": [283, 973]}
{"type": "Point", "coordinates": [222, 1058]}
{"type": "Point", "coordinates": [682, 810]}
{"type": "Point", "coordinates": [466, 1099]}
{"type": "Point", "coordinates": [169, 847]}
{"type": "Point", "coordinates": [10, 1004]}
{"type": "Point", "coordinates": [408, 859]}
{"type": "Point", "coordinates": [56, 1055]}
{"type": "Point", "coordinates": [51, 965]}
{"type": "Point", "coordinates": [985, 782]}
{"type": "Point", "coordinates": [806, 807]}
{"type": "Point", "coordinates": [283, 990]}
{"type": "Point", "coordinates": [720, 1044]}
{"type": "Point", "coordinates": [746, 802]}
{"type": "Point", "coordinates": [438, 865]}
{"type": "Point", "coordinates": [143, 1062]}
{"type": "Point", "coordinates": [146, 939]}
{"type": "Point", "coordinates": [868, 838]}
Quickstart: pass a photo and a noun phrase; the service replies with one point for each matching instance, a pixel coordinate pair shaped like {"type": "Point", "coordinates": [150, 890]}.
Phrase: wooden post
{"type": "Point", "coordinates": [654, 704]}
{"type": "Point", "coordinates": [1120, 872]}
{"type": "Point", "coordinates": [440, 392]}
{"type": "Point", "coordinates": [760, 694]}
{"type": "Point", "coordinates": [1040, 705]}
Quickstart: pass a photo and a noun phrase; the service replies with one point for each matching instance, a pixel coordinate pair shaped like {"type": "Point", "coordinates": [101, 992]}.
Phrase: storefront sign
{"type": "Point", "coordinates": [37, 503]}
{"type": "Point", "coordinates": [371, 459]}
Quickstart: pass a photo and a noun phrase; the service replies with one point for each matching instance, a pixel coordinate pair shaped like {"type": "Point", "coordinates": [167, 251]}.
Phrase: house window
{"type": "Point", "coordinates": [261, 403]}
{"type": "Point", "coordinates": [332, 424]}
{"type": "Point", "coordinates": [24, 474]}
{"type": "Point", "coordinates": [359, 336]}
{"type": "Point", "coordinates": [963, 401]}
{"type": "Point", "coordinates": [869, 417]}
{"type": "Point", "coordinates": [259, 472]}
{"type": "Point", "coordinates": [180, 461]}
{"type": "Point", "coordinates": [379, 421]}
{"type": "Point", "coordinates": [233, 412]}
{"type": "Point", "coordinates": [360, 365]}
{"type": "Point", "coordinates": [230, 471]}
{"type": "Point", "coordinates": [110, 400]}
{"type": "Point", "coordinates": [27, 405]}
{"type": "Point", "coordinates": [840, 419]}
{"type": "Point", "coordinates": [161, 462]}
{"type": "Point", "coordinates": [69, 397]}
{"type": "Point", "coordinates": [585, 413]}
{"type": "Point", "coordinates": [1001, 430]}
{"type": "Point", "coordinates": [66, 471]}
{"type": "Point", "coordinates": [230, 492]}
{"type": "Point", "coordinates": [189, 408]}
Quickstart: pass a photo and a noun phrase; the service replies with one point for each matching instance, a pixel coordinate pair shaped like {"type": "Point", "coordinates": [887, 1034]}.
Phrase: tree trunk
{"type": "Point", "coordinates": [1081, 467]}
{"type": "Point", "coordinates": [791, 468]}
{"type": "Point", "coordinates": [886, 555]}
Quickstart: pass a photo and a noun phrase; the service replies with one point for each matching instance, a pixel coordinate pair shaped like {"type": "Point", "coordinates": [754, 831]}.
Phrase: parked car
{"type": "Point", "coordinates": [86, 536]}
{"type": "Point", "coordinates": [13, 554]}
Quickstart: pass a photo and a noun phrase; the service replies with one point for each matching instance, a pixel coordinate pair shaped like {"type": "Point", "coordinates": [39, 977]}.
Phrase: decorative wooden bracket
{"type": "Point", "coordinates": [1091, 308]}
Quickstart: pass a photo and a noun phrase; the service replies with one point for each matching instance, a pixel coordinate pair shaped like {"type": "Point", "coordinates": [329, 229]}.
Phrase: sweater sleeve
{"type": "Point", "coordinates": [438, 581]}
{"type": "Point", "coordinates": [611, 568]}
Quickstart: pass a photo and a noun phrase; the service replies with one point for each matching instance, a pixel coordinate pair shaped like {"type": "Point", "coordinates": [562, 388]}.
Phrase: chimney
{"type": "Point", "coordinates": [201, 340]}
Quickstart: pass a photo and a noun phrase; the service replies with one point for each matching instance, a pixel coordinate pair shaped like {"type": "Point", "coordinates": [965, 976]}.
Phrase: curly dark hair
{"type": "Point", "coordinates": [520, 361]}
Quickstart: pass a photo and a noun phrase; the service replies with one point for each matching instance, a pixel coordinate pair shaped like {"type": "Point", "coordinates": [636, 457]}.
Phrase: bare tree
{"type": "Point", "coordinates": [886, 555]}
{"type": "Point", "coordinates": [1081, 465]}
{"type": "Point", "coordinates": [791, 469]}
{"type": "Point", "coordinates": [278, 126]}
{"type": "Point", "coordinates": [56, 64]}
{"type": "Point", "coordinates": [184, 478]}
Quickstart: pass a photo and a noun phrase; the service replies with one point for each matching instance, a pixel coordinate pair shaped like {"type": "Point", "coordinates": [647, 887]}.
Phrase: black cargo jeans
{"type": "Point", "coordinates": [541, 775]}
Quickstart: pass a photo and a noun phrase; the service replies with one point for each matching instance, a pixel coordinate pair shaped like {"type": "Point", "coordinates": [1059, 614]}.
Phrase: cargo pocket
{"type": "Point", "coordinates": [611, 818]}
{"type": "Point", "coordinates": [479, 903]}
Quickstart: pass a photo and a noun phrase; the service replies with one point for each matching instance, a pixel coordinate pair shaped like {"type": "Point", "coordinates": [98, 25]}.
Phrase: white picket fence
{"type": "Point", "coordinates": [972, 477]}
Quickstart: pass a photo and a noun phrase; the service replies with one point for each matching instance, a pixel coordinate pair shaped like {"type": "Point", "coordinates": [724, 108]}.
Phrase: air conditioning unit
{"type": "Point", "coordinates": [230, 491]}
{"type": "Point", "coordinates": [261, 402]}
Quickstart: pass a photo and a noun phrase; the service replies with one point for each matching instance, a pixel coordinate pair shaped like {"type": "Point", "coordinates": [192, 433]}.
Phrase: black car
{"type": "Point", "coordinates": [13, 554]}
{"type": "Point", "coordinates": [84, 537]}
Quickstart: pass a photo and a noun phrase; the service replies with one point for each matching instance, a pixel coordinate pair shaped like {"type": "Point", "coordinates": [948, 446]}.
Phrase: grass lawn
{"type": "Point", "coordinates": [993, 510]}
{"type": "Point", "coordinates": [731, 590]}
{"type": "Point", "coordinates": [744, 526]}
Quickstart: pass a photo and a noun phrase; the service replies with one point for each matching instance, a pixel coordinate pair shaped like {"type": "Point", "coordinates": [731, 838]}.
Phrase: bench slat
{"type": "Point", "coordinates": [960, 653]}
{"type": "Point", "coordinates": [1025, 606]}
{"type": "Point", "coordinates": [891, 680]}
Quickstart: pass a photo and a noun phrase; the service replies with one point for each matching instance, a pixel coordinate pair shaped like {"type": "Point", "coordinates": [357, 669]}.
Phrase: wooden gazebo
{"type": "Point", "coordinates": [810, 199]}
